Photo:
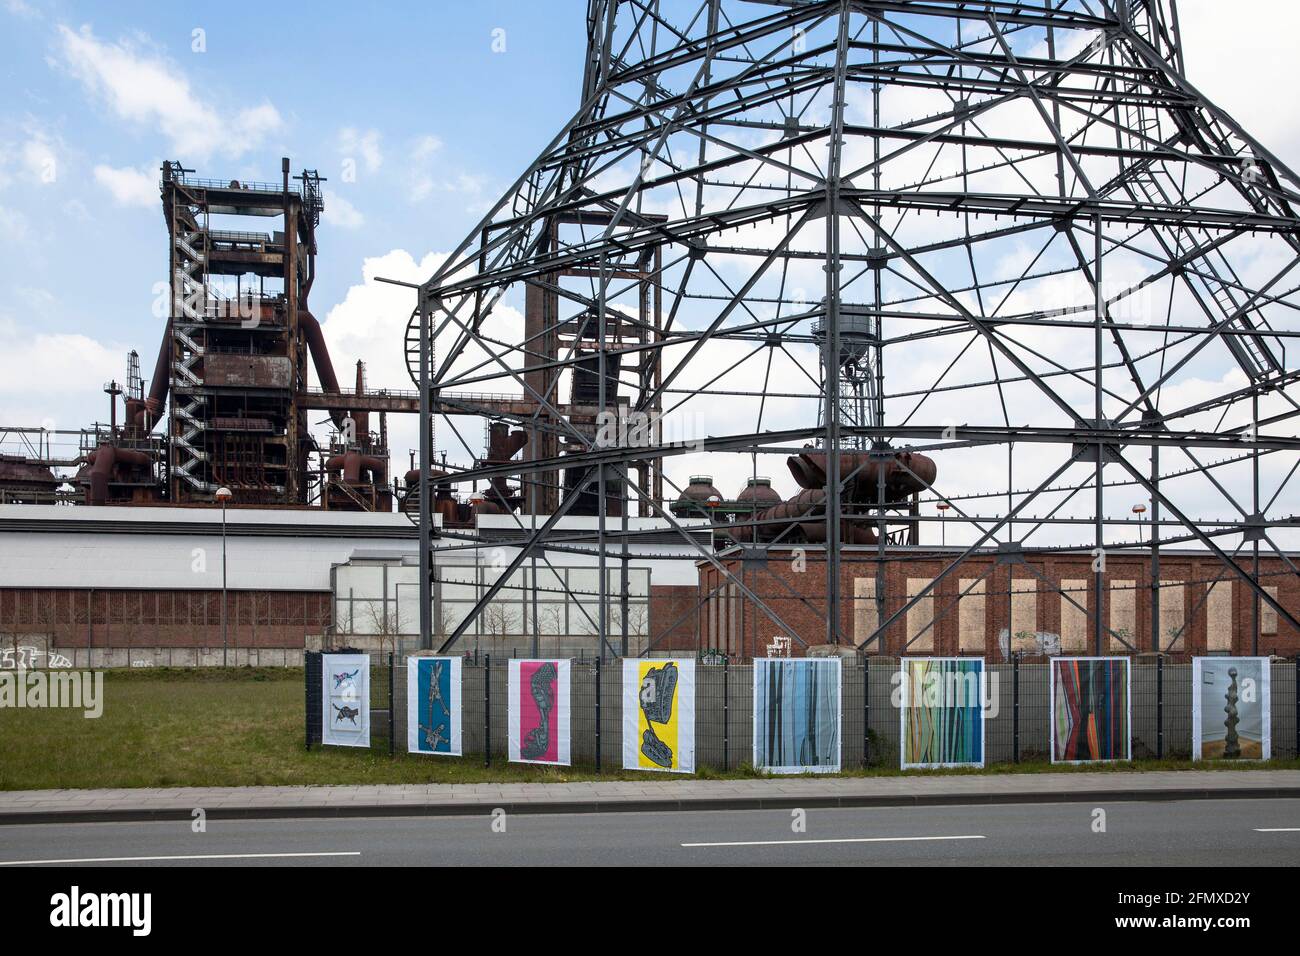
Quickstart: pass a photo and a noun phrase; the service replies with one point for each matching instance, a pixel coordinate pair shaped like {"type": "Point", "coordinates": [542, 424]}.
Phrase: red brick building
{"type": "Point", "coordinates": [1043, 599]}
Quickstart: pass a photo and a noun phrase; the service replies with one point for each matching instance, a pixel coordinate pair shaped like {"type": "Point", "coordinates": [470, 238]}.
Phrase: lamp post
{"type": "Point", "coordinates": [223, 495]}
{"type": "Point", "coordinates": [1139, 510]}
{"type": "Point", "coordinates": [943, 507]}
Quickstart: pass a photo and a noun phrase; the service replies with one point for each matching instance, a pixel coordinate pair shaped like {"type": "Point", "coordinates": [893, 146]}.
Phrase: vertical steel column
{"type": "Point", "coordinates": [1099, 557]}
{"type": "Point", "coordinates": [597, 666]}
{"type": "Point", "coordinates": [1015, 707]}
{"type": "Point", "coordinates": [487, 710]}
{"type": "Point", "coordinates": [426, 455]}
{"type": "Point", "coordinates": [1155, 549]}
{"type": "Point", "coordinates": [1160, 706]}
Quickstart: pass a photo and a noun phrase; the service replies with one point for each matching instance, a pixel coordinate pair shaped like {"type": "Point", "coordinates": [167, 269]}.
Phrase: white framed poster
{"type": "Point", "coordinates": [797, 714]}
{"type": "Point", "coordinates": [659, 714]}
{"type": "Point", "coordinates": [941, 723]}
{"type": "Point", "coordinates": [1090, 699]}
{"type": "Point", "coordinates": [1231, 708]}
{"type": "Point", "coordinates": [345, 680]}
{"type": "Point", "coordinates": [433, 711]}
{"type": "Point", "coordinates": [537, 711]}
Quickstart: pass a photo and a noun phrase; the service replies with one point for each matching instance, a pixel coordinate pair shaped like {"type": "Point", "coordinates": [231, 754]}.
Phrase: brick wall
{"type": "Point", "coordinates": [970, 609]}
{"type": "Point", "coordinates": [78, 618]}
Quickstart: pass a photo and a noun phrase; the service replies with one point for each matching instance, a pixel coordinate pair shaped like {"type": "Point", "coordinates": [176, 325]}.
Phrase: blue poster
{"type": "Point", "coordinates": [433, 718]}
{"type": "Point", "coordinates": [797, 714]}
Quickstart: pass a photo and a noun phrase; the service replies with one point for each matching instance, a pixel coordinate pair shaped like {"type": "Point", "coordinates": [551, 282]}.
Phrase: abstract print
{"type": "Point", "coordinates": [345, 689]}
{"type": "Point", "coordinates": [1090, 709]}
{"type": "Point", "coordinates": [659, 715]}
{"type": "Point", "coordinates": [1231, 708]}
{"type": "Point", "coordinates": [797, 714]}
{"type": "Point", "coordinates": [942, 723]}
{"type": "Point", "coordinates": [433, 715]}
{"type": "Point", "coordinates": [538, 705]}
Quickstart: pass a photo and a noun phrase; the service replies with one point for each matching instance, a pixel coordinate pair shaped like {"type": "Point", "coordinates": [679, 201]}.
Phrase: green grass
{"type": "Point", "coordinates": [208, 727]}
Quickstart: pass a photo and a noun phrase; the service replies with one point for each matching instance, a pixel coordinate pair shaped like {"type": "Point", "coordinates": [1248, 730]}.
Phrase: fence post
{"type": "Point", "coordinates": [487, 710]}
{"type": "Point", "coordinates": [1297, 705]}
{"type": "Point", "coordinates": [597, 715]}
{"type": "Point", "coordinates": [866, 713]}
{"type": "Point", "coordinates": [1015, 707]}
{"type": "Point", "coordinates": [1160, 707]}
{"type": "Point", "coordinates": [392, 705]}
{"type": "Point", "coordinates": [726, 711]}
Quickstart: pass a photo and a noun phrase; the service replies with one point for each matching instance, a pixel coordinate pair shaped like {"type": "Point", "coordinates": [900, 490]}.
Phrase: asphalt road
{"type": "Point", "coordinates": [1184, 833]}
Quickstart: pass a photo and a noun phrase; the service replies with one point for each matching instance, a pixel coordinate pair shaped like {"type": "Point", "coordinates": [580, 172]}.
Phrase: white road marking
{"type": "Point", "coordinates": [1277, 829]}
{"type": "Point", "coordinates": [199, 856]}
{"type": "Point", "coordinates": [911, 839]}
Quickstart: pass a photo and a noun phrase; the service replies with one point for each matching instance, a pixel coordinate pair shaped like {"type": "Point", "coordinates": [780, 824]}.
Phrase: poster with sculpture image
{"type": "Point", "coordinates": [1090, 709]}
{"type": "Point", "coordinates": [942, 712]}
{"type": "Point", "coordinates": [797, 714]}
{"type": "Point", "coordinates": [537, 700]}
{"type": "Point", "coordinates": [433, 705]}
{"type": "Point", "coordinates": [346, 693]}
{"type": "Point", "coordinates": [1231, 708]}
{"type": "Point", "coordinates": [659, 715]}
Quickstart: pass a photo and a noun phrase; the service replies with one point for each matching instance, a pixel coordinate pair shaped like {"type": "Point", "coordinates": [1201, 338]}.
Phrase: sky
{"type": "Point", "coordinates": [419, 115]}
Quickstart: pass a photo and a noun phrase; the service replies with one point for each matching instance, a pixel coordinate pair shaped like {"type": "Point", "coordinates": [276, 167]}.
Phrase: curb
{"type": "Point", "coordinates": [460, 809]}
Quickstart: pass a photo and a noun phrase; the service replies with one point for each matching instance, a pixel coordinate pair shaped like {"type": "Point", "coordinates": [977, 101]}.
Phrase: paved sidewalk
{"type": "Point", "coordinates": [65, 806]}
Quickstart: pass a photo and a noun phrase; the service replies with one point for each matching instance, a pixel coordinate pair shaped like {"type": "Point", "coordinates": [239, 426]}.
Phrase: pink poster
{"type": "Point", "coordinates": [539, 711]}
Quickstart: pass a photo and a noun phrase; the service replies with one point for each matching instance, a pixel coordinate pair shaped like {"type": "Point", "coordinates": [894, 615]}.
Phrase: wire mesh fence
{"type": "Point", "coordinates": [1016, 722]}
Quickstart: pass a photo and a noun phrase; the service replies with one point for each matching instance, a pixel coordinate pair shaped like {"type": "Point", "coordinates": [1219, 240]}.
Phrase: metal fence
{"type": "Point", "coordinates": [1016, 732]}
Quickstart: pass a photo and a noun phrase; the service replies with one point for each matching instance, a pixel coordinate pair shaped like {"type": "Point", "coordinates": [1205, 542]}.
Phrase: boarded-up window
{"type": "Point", "coordinates": [970, 615]}
{"type": "Point", "coordinates": [1218, 617]}
{"type": "Point", "coordinates": [1268, 616]}
{"type": "Point", "coordinates": [1074, 616]}
{"type": "Point", "coordinates": [1173, 615]}
{"type": "Point", "coordinates": [865, 614]}
{"type": "Point", "coordinates": [1123, 616]}
{"type": "Point", "coordinates": [1024, 615]}
{"type": "Point", "coordinates": [920, 619]}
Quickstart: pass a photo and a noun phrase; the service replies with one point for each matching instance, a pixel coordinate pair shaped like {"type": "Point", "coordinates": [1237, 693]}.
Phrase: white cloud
{"type": "Point", "coordinates": [39, 159]}
{"type": "Point", "coordinates": [147, 89]}
{"type": "Point", "coordinates": [353, 143]}
{"type": "Point", "coordinates": [341, 213]}
{"type": "Point", "coordinates": [34, 382]}
{"type": "Point", "coordinates": [128, 186]}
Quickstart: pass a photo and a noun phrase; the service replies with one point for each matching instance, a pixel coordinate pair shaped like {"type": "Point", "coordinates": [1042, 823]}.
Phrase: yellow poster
{"type": "Point", "coordinates": [659, 715]}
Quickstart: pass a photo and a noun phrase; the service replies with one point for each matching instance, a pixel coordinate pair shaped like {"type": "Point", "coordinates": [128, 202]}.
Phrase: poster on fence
{"type": "Point", "coordinates": [659, 715]}
{"type": "Point", "coordinates": [433, 705]}
{"type": "Point", "coordinates": [1090, 709]}
{"type": "Point", "coordinates": [797, 714]}
{"type": "Point", "coordinates": [942, 703]}
{"type": "Point", "coordinates": [345, 690]}
{"type": "Point", "coordinates": [537, 699]}
{"type": "Point", "coordinates": [1231, 708]}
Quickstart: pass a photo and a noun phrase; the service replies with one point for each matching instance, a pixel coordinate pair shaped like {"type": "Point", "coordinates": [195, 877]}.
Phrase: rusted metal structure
{"type": "Point", "coordinates": [1000, 237]}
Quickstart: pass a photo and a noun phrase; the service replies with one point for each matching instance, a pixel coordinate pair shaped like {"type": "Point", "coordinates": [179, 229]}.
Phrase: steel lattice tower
{"type": "Point", "coordinates": [1058, 268]}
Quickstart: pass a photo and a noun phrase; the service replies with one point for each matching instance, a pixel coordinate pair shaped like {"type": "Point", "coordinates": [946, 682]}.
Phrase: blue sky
{"type": "Point", "coordinates": [437, 125]}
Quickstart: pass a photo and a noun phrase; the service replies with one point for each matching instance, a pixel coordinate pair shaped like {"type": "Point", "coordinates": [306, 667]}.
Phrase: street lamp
{"type": "Point", "coordinates": [223, 495]}
{"type": "Point", "coordinates": [943, 507]}
{"type": "Point", "coordinates": [1139, 510]}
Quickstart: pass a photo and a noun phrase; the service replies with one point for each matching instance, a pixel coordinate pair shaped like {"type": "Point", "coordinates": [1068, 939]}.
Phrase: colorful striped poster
{"type": "Point", "coordinates": [1231, 708]}
{"type": "Point", "coordinates": [797, 714]}
{"type": "Point", "coordinates": [942, 720]}
{"type": "Point", "coordinates": [1090, 709]}
{"type": "Point", "coordinates": [433, 714]}
{"type": "Point", "coordinates": [346, 692]}
{"type": "Point", "coordinates": [538, 711]}
{"type": "Point", "coordinates": [659, 715]}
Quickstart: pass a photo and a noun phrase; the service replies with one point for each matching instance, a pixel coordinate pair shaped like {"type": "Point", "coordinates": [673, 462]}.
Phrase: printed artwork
{"type": "Point", "coordinates": [538, 705]}
{"type": "Point", "coordinates": [1231, 708]}
{"type": "Point", "coordinates": [659, 715]}
{"type": "Point", "coordinates": [433, 711]}
{"type": "Point", "coordinates": [346, 693]}
{"type": "Point", "coordinates": [797, 714]}
{"type": "Point", "coordinates": [942, 722]}
{"type": "Point", "coordinates": [1090, 709]}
